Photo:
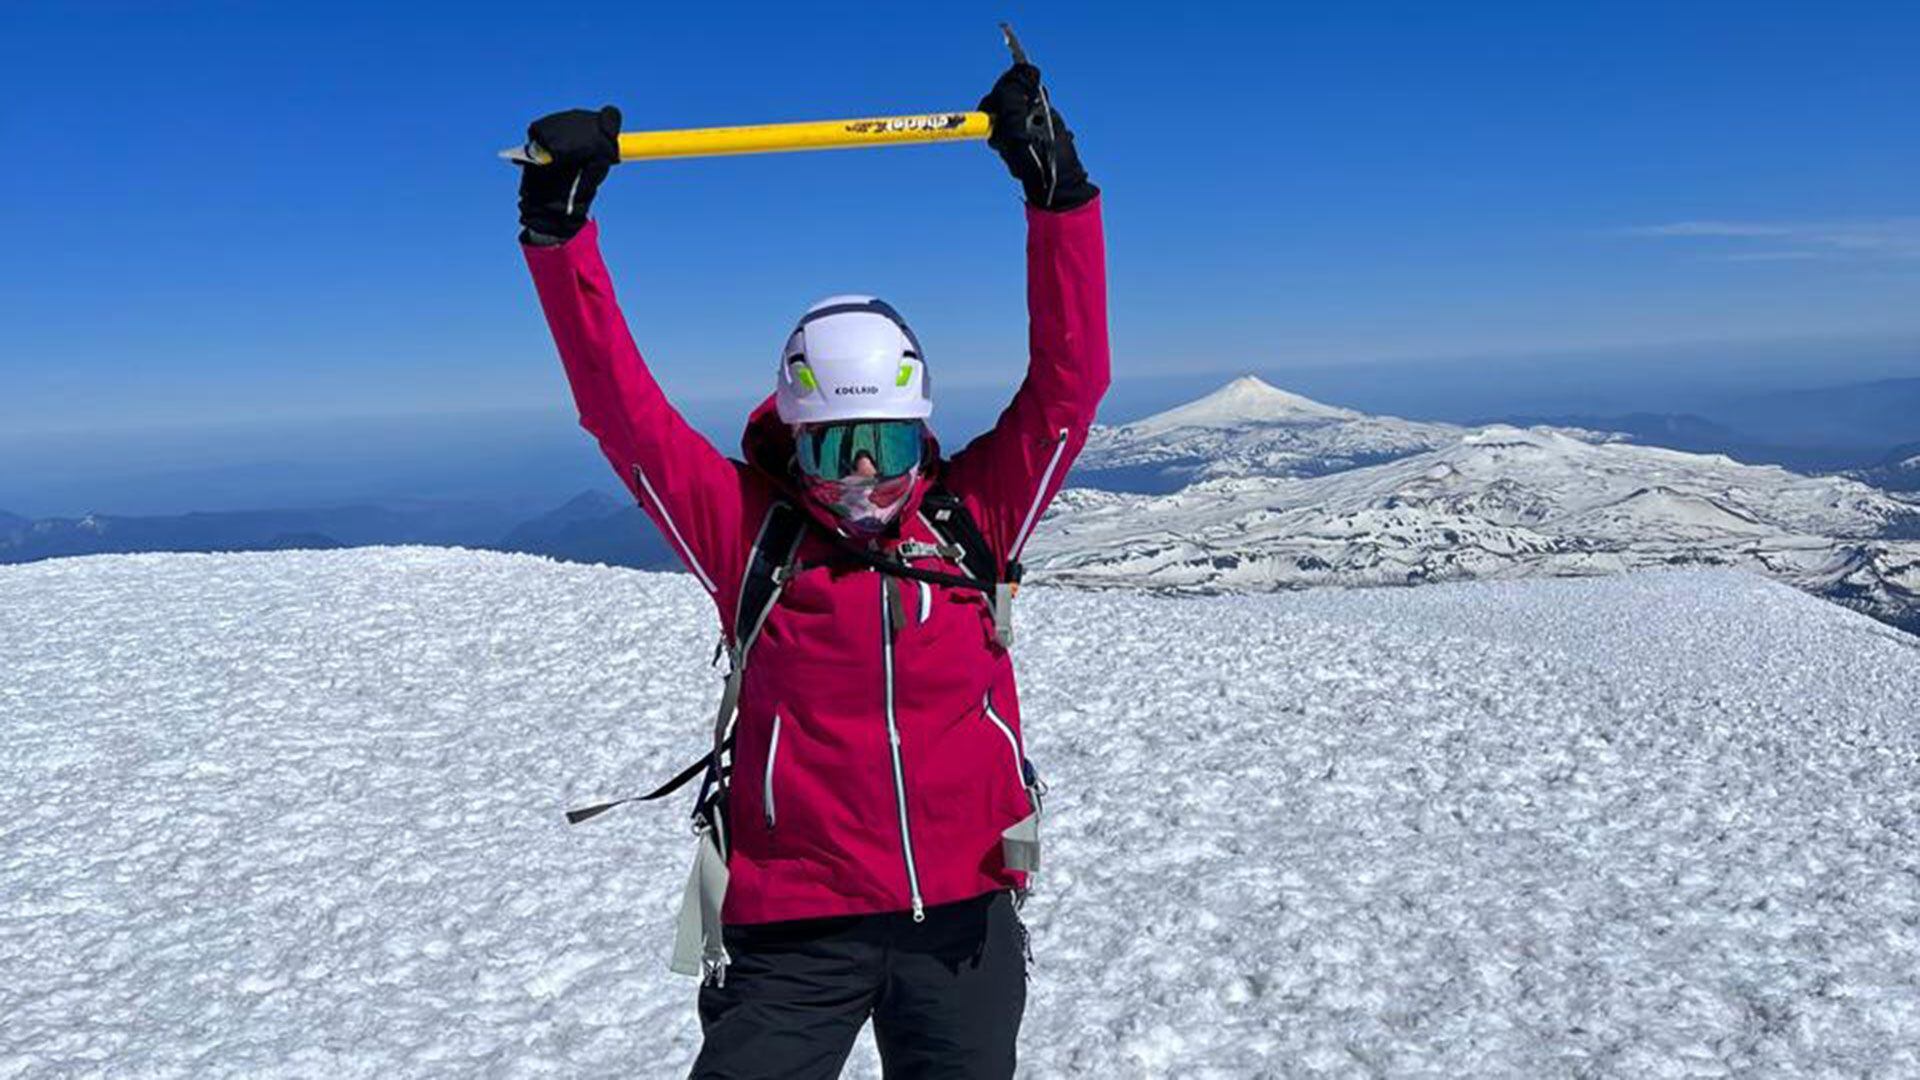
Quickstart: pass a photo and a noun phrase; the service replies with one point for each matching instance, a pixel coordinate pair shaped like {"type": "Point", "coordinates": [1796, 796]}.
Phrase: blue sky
{"type": "Point", "coordinates": [276, 213]}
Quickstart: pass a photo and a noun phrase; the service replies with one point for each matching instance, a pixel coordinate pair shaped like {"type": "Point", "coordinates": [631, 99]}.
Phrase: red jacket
{"type": "Point", "coordinates": [824, 823]}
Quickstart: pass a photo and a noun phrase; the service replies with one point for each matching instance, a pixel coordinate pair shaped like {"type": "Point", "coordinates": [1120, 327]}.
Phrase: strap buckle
{"type": "Point", "coordinates": [920, 549]}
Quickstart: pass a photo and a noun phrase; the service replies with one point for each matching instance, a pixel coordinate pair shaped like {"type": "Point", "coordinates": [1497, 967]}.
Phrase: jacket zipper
{"type": "Point", "coordinates": [1039, 495]}
{"type": "Point", "coordinates": [893, 744]}
{"type": "Point", "coordinates": [674, 529]}
{"type": "Point", "coordinates": [766, 785]}
{"type": "Point", "coordinates": [1013, 743]}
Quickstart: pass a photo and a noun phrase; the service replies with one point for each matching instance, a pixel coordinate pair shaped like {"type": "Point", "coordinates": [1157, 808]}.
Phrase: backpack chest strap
{"type": "Point", "coordinates": [920, 549]}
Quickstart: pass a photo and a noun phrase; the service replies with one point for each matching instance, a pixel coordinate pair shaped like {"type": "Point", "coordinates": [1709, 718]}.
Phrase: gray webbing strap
{"type": "Point", "coordinates": [1020, 844]}
{"type": "Point", "coordinates": [729, 703]}
{"type": "Point", "coordinates": [699, 948]}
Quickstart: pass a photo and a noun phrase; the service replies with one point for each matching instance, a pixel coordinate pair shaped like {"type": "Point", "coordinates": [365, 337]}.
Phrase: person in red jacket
{"type": "Point", "coordinates": [877, 755]}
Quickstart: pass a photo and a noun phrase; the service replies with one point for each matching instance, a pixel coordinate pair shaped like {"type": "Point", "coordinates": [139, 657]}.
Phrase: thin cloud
{"type": "Point", "coordinates": [1710, 228]}
{"type": "Point", "coordinates": [1778, 256]}
{"type": "Point", "coordinates": [1758, 241]}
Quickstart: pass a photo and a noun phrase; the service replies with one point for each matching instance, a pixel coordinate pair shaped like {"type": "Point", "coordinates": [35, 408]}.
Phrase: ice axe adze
{"type": "Point", "coordinates": [807, 135]}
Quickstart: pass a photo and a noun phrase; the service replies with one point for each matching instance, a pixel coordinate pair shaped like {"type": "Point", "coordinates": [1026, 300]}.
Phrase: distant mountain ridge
{"type": "Point", "coordinates": [1834, 428]}
{"type": "Point", "coordinates": [1496, 502]}
{"type": "Point", "coordinates": [1898, 470]}
{"type": "Point", "coordinates": [594, 527]}
{"type": "Point", "coordinates": [1872, 413]}
{"type": "Point", "coordinates": [1697, 434]}
{"type": "Point", "coordinates": [591, 527]}
{"type": "Point", "coordinates": [23, 540]}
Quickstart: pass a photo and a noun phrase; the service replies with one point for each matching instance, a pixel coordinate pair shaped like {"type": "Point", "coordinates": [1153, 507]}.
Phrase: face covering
{"type": "Point", "coordinates": [866, 504]}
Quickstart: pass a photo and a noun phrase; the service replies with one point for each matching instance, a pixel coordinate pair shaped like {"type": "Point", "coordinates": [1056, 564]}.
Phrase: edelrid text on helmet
{"type": "Point", "coordinates": [852, 358]}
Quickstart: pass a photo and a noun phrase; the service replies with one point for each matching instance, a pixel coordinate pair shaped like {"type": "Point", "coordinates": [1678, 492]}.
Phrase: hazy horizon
{"type": "Point", "coordinates": [536, 454]}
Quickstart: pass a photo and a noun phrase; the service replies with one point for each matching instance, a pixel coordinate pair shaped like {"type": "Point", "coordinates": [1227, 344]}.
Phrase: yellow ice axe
{"type": "Point", "coordinates": [781, 138]}
{"type": "Point", "coordinates": [806, 135]}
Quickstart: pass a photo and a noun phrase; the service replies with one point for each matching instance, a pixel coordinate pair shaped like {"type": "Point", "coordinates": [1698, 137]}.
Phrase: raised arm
{"type": "Point", "coordinates": [1011, 473]}
{"type": "Point", "coordinates": [693, 493]}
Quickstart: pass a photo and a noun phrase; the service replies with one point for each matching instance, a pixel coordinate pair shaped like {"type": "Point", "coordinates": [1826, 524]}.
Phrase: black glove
{"type": "Point", "coordinates": [554, 197]}
{"type": "Point", "coordinates": [1035, 142]}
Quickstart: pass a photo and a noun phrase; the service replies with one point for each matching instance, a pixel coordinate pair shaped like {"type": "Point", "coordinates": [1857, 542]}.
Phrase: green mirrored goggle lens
{"type": "Point", "coordinates": [834, 451]}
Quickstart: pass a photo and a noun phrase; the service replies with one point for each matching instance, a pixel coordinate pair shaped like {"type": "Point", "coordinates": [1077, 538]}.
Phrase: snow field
{"type": "Point", "coordinates": [298, 815]}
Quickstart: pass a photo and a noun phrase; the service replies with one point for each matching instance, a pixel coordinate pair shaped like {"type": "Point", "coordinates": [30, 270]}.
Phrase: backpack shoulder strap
{"type": "Point", "coordinates": [767, 570]}
{"type": "Point", "coordinates": [947, 515]}
{"type": "Point", "coordinates": [768, 563]}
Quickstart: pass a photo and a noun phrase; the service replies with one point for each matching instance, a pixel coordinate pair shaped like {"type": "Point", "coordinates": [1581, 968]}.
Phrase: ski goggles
{"type": "Point", "coordinates": [835, 451]}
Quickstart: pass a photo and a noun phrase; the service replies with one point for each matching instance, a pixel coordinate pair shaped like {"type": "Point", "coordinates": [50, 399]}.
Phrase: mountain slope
{"type": "Point", "coordinates": [298, 815]}
{"type": "Point", "coordinates": [1501, 502]}
{"type": "Point", "coordinates": [1898, 469]}
{"type": "Point", "coordinates": [1246, 427]}
{"type": "Point", "coordinates": [593, 527]}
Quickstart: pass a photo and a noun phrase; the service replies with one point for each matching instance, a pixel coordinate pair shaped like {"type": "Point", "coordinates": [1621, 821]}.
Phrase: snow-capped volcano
{"type": "Point", "coordinates": [298, 815]}
{"type": "Point", "coordinates": [1499, 502]}
{"type": "Point", "coordinates": [1247, 428]}
{"type": "Point", "coordinates": [1247, 400]}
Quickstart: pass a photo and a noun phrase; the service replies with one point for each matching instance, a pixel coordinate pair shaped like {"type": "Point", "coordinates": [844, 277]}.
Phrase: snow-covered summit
{"type": "Point", "coordinates": [1247, 428]}
{"type": "Point", "coordinates": [298, 814]}
{"type": "Point", "coordinates": [1508, 436]}
{"type": "Point", "coordinates": [1246, 400]}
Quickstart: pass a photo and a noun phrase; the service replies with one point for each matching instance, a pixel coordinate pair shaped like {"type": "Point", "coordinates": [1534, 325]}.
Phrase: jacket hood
{"type": "Point", "coordinates": [767, 445]}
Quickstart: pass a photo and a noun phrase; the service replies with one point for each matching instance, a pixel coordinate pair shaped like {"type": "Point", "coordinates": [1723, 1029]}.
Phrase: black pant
{"type": "Point", "coordinates": [945, 995]}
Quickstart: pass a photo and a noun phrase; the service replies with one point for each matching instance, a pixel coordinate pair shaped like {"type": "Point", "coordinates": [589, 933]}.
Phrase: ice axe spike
{"type": "Point", "coordinates": [804, 135]}
{"type": "Point", "coordinates": [1013, 43]}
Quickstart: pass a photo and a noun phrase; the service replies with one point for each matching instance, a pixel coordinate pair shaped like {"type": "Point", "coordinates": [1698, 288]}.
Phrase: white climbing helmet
{"type": "Point", "coordinates": [852, 358]}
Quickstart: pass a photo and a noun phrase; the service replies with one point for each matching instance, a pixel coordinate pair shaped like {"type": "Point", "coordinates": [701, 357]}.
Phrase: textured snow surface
{"type": "Point", "coordinates": [298, 814]}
